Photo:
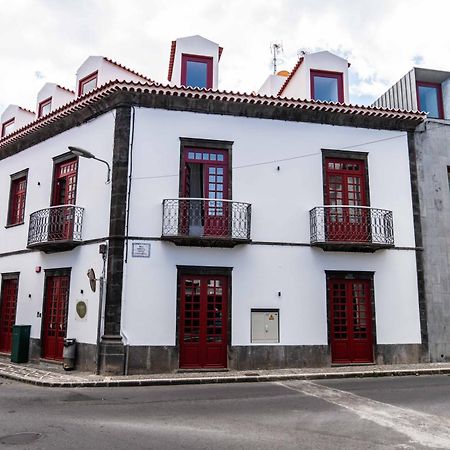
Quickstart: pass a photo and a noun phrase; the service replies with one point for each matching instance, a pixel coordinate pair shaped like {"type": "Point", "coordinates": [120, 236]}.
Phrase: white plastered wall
{"type": "Point", "coordinates": [300, 84]}
{"type": "Point", "coordinates": [195, 45]}
{"type": "Point", "coordinates": [281, 200]}
{"type": "Point", "coordinates": [92, 194]}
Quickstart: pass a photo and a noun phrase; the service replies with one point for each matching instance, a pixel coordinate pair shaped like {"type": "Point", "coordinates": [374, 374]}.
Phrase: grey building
{"type": "Point", "coordinates": [429, 90]}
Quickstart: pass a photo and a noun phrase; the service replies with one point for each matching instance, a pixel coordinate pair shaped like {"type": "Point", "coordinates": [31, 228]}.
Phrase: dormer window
{"type": "Point", "coordinates": [197, 71]}
{"type": "Point", "coordinates": [327, 86]}
{"type": "Point", "coordinates": [429, 99]}
{"type": "Point", "coordinates": [88, 83]}
{"type": "Point", "coordinates": [45, 107]}
{"type": "Point", "coordinates": [7, 127]}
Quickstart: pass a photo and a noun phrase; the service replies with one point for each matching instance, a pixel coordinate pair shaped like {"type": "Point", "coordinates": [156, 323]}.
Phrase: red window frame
{"type": "Point", "coordinates": [197, 58]}
{"type": "Point", "coordinates": [43, 104]}
{"type": "Point", "coordinates": [7, 124]}
{"type": "Point", "coordinates": [327, 74]}
{"type": "Point", "coordinates": [440, 101]}
{"type": "Point", "coordinates": [17, 199]}
{"type": "Point", "coordinates": [85, 80]}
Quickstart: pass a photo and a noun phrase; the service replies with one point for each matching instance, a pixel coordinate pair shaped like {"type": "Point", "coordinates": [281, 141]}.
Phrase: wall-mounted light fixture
{"type": "Point", "coordinates": [85, 154]}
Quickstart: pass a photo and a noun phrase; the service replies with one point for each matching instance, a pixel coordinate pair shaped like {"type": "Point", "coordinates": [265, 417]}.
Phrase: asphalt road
{"type": "Point", "coordinates": [376, 413]}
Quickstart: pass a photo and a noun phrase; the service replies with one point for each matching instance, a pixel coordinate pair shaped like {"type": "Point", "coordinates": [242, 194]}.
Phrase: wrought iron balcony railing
{"type": "Point", "coordinates": [205, 221]}
{"type": "Point", "coordinates": [347, 227]}
{"type": "Point", "coordinates": [56, 228]}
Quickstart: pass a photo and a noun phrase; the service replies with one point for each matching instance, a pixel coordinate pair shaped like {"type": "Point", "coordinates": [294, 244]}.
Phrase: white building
{"type": "Point", "coordinates": [241, 231]}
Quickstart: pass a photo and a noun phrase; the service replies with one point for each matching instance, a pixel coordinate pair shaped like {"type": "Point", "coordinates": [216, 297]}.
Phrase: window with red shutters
{"type": "Point", "coordinates": [17, 200]}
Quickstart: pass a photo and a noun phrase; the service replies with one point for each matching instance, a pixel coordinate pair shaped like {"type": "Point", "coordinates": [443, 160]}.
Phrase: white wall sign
{"type": "Point", "coordinates": [140, 250]}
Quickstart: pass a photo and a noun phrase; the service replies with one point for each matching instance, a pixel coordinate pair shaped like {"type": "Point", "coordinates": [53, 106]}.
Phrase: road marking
{"type": "Point", "coordinates": [421, 428]}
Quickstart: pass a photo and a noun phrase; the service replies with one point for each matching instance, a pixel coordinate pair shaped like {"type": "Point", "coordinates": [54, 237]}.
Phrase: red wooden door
{"type": "Point", "coordinates": [64, 193]}
{"type": "Point", "coordinates": [206, 176]}
{"type": "Point", "coordinates": [8, 305]}
{"type": "Point", "coordinates": [203, 322]}
{"type": "Point", "coordinates": [350, 321]}
{"type": "Point", "coordinates": [346, 185]}
{"type": "Point", "coordinates": [55, 316]}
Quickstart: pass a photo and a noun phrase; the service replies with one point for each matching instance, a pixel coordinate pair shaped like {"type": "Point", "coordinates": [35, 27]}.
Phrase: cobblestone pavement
{"type": "Point", "coordinates": [53, 375]}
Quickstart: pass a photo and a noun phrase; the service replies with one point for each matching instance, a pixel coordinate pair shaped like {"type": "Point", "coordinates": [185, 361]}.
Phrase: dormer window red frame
{"type": "Point", "coordinates": [45, 107]}
{"type": "Point", "coordinates": [326, 74]}
{"type": "Point", "coordinates": [440, 103]}
{"type": "Point", "coordinates": [207, 61]}
{"type": "Point", "coordinates": [88, 83]}
{"type": "Point", "coordinates": [6, 127]}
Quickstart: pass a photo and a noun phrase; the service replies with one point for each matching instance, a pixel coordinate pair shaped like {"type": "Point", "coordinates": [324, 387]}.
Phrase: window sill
{"type": "Point", "coordinates": [14, 225]}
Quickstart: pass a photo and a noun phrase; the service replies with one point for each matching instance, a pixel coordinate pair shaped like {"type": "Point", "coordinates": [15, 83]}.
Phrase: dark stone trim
{"type": "Point", "coordinates": [158, 238]}
{"type": "Point", "coordinates": [119, 185]}
{"type": "Point", "coordinates": [10, 276]}
{"type": "Point", "coordinates": [253, 357]}
{"type": "Point", "coordinates": [353, 275]}
{"type": "Point", "coordinates": [119, 98]}
{"type": "Point", "coordinates": [419, 244]}
{"type": "Point", "coordinates": [399, 354]}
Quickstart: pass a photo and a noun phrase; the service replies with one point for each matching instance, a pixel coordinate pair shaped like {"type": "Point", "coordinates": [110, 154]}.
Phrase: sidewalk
{"type": "Point", "coordinates": [54, 375]}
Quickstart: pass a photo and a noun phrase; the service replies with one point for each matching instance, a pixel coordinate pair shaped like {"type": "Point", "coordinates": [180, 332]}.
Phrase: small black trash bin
{"type": "Point", "coordinates": [69, 352]}
{"type": "Point", "coordinates": [20, 343]}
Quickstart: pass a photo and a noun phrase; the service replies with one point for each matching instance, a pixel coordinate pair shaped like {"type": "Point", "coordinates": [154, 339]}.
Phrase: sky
{"type": "Point", "coordinates": [47, 40]}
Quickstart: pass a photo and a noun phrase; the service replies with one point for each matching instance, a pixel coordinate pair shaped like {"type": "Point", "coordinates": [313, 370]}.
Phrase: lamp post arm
{"type": "Point", "coordinates": [108, 179]}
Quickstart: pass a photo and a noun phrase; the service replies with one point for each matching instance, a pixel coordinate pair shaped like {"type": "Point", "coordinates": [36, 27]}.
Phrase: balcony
{"type": "Point", "coordinates": [351, 228]}
{"type": "Point", "coordinates": [205, 222]}
{"type": "Point", "coordinates": [56, 229]}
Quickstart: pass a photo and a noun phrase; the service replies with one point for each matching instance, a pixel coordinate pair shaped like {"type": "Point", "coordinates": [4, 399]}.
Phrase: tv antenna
{"type": "Point", "coordinates": [276, 48]}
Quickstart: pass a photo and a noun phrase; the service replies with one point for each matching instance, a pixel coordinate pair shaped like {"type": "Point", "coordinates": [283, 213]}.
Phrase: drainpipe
{"type": "Point", "coordinates": [101, 312]}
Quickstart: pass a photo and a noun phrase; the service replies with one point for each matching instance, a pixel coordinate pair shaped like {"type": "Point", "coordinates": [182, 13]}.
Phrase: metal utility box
{"type": "Point", "coordinates": [265, 326]}
{"type": "Point", "coordinates": [20, 343]}
{"type": "Point", "coordinates": [69, 353]}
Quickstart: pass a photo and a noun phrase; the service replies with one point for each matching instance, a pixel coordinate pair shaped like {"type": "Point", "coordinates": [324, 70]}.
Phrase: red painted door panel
{"type": "Point", "coordinates": [203, 322]}
{"type": "Point", "coordinates": [350, 321]}
{"type": "Point", "coordinates": [346, 185]}
{"type": "Point", "coordinates": [55, 316]}
{"type": "Point", "coordinates": [8, 305]}
{"type": "Point", "coordinates": [64, 193]}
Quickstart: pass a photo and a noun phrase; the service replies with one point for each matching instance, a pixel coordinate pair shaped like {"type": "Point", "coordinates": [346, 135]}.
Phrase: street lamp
{"type": "Point", "coordinates": [85, 154]}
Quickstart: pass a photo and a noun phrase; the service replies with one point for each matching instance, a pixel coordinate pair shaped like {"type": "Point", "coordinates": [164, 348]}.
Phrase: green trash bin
{"type": "Point", "coordinates": [20, 343]}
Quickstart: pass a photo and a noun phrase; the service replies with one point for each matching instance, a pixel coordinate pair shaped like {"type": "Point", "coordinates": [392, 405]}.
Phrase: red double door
{"type": "Point", "coordinates": [350, 320]}
{"type": "Point", "coordinates": [8, 299]}
{"type": "Point", "coordinates": [346, 187]}
{"type": "Point", "coordinates": [55, 316]}
{"type": "Point", "coordinates": [205, 176]}
{"type": "Point", "coordinates": [203, 322]}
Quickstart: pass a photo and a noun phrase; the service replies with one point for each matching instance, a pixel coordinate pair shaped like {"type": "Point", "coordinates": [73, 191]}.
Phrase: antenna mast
{"type": "Point", "coordinates": [275, 48]}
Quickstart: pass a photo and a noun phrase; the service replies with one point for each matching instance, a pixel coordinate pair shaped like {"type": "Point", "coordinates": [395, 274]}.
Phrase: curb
{"type": "Point", "coordinates": [223, 380]}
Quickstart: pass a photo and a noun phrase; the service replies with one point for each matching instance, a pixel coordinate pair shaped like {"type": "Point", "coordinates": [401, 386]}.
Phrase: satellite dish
{"type": "Point", "coordinates": [92, 279]}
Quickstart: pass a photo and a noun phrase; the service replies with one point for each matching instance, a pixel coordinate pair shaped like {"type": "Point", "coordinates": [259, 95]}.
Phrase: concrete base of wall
{"type": "Point", "coordinates": [165, 359]}
{"type": "Point", "coordinates": [439, 352]}
{"type": "Point", "coordinates": [278, 356]}
{"type": "Point", "coordinates": [112, 356]}
{"type": "Point", "coordinates": [400, 354]}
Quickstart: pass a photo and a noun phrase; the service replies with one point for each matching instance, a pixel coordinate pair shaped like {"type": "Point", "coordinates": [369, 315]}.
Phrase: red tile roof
{"type": "Point", "coordinates": [126, 68]}
{"type": "Point", "coordinates": [209, 94]}
{"type": "Point", "coordinates": [288, 79]}
{"type": "Point", "coordinates": [65, 89]}
{"type": "Point", "coordinates": [173, 49]}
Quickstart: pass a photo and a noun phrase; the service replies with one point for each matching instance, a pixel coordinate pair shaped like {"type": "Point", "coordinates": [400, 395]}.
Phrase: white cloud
{"type": "Point", "coordinates": [382, 39]}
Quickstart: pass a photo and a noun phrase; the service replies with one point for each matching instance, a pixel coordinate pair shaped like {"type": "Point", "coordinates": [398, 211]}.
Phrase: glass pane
{"type": "Point", "coordinates": [428, 97]}
{"type": "Point", "coordinates": [325, 89]}
{"type": "Point", "coordinates": [89, 86]}
{"type": "Point", "coordinates": [196, 74]}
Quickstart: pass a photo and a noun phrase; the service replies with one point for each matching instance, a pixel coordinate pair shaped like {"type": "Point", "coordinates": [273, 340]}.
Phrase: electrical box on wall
{"type": "Point", "coordinates": [265, 326]}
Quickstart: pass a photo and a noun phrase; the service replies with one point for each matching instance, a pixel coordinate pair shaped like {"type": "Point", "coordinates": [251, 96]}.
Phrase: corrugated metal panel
{"type": "Point", "coordinates": [413, 89]}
